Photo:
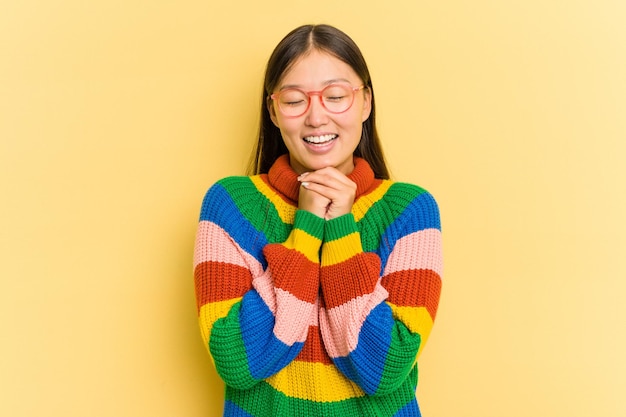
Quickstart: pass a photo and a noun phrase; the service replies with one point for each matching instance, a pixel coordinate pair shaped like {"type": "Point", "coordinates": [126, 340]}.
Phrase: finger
{"type": "Point", "coordinates": [329, 179]}
{"type": "Point", "coordinates": [336, 195]}
{"type": "Point", "coordinates": [326, 173]}
{"type": "Point", "coordinates": [313, 202]}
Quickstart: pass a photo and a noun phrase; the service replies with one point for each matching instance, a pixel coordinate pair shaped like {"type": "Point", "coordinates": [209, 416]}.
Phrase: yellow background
{"type": "Point", "coordinates": [115, 116]}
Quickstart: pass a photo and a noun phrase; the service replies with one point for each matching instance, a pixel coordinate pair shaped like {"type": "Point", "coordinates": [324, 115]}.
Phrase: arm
{"type": "Point", "coordinates": [253, 317]}
{"type": "Point", "coordinates": [379, 309]}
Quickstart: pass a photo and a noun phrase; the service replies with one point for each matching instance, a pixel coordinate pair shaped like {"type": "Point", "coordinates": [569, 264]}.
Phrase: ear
{"type": "Point", "coordinates": [272, 110]}
{"type": "Point", "coordinates": [367, 104]}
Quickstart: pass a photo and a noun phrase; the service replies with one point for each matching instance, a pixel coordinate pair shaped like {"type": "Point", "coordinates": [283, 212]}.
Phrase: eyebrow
{"type": "Point", "coordinates": [325, 83]}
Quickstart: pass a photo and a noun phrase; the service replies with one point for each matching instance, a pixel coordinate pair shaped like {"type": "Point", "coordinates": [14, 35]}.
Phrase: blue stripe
{"type": "Point", "coordinates": [218, 207]}
{"type": "Point", "coordinates": [360, 365]}
{"type": "Point", "coordinates": [409, 410]}
{"type": "Point", "coordinates": [422, 213]}
{"type": "Point", "coordinates": [233, 410]}
{"type": "Point", "coordinates": [266, 353]}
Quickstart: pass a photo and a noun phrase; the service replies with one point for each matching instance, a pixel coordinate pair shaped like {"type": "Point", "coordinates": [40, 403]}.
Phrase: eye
{"type": "Point", "coordinates": [334, 98]}
{"type": "Point", "coordinates": [293, 98]}
{"type": "Point", "coordinates": [335, 93]}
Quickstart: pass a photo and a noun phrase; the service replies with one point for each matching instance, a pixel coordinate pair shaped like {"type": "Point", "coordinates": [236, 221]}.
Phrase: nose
{"type": "Point", "coordinates": [317, 114]}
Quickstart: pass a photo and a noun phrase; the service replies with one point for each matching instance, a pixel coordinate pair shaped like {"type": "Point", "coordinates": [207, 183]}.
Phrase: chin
{"type": "Point", "coordinates": [323, 164]}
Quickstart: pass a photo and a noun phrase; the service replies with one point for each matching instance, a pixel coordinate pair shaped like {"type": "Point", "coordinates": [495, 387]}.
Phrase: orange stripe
{"type": "Point", "coordinates": [359, 276]}
{"type": "Point", "coordinates": [414, 288]}
{"type": "Point", "coordinates": [293, 272]}
{"type": "Point", "coordinates": [313, 350]}
{"type": "Point", "coordinates": [218, 281]}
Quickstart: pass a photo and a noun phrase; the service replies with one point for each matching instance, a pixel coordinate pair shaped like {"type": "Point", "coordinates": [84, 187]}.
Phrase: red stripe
{"type": "Point", "coordinates": [313, 350]}
{"type": "Point", "coordinates": [414, 288]}
{"type": "Point", "coordinates": [293, 272]}
{"type": "Point", "coordinates": [352, 278]}
{"type": "Point", "coordinates": [283, 197]}
{"type": "Point", "coordinates": [218, 281]}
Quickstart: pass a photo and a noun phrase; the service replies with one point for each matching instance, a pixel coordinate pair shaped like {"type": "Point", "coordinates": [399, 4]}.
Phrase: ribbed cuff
{"type": "Point", "coordinates": [342, 240]}
{"type": "Point", "coordinates": [309, 223]}
{"type": "Point", "coordinates": [339, 227]}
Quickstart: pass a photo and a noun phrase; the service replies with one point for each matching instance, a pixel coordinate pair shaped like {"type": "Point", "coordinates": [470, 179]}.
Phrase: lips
{"type": "Point", "coordinates": [320, 140]}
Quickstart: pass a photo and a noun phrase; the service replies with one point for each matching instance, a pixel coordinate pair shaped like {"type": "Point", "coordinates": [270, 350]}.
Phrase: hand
{"type": "Point", "coordinates": [327, 193]}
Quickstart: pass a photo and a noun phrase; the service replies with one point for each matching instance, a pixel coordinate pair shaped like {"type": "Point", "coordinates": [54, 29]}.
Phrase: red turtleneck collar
{"type": "Point", "coordinates": [284, 179]}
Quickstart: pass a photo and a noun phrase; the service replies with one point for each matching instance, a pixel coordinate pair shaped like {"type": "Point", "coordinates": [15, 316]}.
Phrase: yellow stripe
{"type": "Point", "coordinates": [416, 319]}
{"type": "Point", "coordinates": [211, 312]}
{"type": "Point", "coordinates": [324, 383]}
{"type": "Point", "coordinates": [304, 243]}
{"type": "Point", "coordinates": [342, 249]}
{"type": "Point", "coordinates": [363, 204]}
{"type": "Point", "coordinates": [286, 211]}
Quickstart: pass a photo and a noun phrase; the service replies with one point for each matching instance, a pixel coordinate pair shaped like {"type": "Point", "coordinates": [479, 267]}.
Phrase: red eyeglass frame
{"type": "Point", "coordinates": [318, 93]}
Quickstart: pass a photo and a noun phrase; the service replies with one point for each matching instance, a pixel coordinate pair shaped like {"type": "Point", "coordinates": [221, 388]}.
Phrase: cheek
{"type": "Point", "coordinates": [352, 121]}
{"type": "Point", "coordinates": [289, 126]}
{"type": "Point", "coordinates": [290, 132]}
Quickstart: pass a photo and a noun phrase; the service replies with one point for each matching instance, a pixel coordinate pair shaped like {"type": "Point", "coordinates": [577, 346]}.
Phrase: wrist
{"type": "Point", "coordinates": [339, 227]}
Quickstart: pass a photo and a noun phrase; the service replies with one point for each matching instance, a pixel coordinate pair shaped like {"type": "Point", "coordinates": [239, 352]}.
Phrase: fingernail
{"type": "Point", "coordinates": [304, 174]}
{"type": "Point", "coordinates": [305, 184]}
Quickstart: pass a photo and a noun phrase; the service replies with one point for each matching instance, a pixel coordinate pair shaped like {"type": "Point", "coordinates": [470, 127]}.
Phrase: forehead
{"type": "Point", "coordinates": [317, 68]}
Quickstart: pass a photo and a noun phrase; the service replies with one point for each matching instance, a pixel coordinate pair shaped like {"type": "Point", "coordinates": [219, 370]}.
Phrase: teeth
{"type": "Point", "coordinates": [320, 139]}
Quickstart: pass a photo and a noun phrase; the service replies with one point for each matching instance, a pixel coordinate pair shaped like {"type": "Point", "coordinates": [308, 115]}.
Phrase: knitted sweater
{"type": "Point", "coordinates": [308, 317]}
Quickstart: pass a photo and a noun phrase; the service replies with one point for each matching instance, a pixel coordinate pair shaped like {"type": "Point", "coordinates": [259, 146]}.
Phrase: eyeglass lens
{"type": "Point", "coordinates": [336, 98]}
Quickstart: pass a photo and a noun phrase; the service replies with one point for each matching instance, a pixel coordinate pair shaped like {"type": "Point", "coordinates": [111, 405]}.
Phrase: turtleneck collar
{"type": "Point", "coordinates": [284, 179]}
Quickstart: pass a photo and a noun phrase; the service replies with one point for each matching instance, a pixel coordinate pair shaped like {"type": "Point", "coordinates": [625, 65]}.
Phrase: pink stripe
{"type": "Point", "coordinates": [293, 317]}
{"type": "Point", "coordinates": [214, 244]}
{"type": "Point", "coordinates": [264, 285]}
{"type": "Point", "coordinates": [273, 296]}
{"type": "Point", "coordinates": [341, 325]}
{"type": "Point", "coordinates": [419, 250]}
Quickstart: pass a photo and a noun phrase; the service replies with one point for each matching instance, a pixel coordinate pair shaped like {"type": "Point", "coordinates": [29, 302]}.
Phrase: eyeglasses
{"type": "Point", "coordinates": [336, 98]}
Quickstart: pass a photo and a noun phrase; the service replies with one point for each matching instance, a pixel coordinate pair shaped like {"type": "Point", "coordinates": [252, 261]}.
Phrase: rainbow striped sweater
{"type": "Point", "coordinates": [308, 317]}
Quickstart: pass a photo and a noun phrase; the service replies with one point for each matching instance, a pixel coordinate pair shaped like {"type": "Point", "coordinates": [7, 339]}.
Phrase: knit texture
{"type": "Point", "coordinates": [307, 317]}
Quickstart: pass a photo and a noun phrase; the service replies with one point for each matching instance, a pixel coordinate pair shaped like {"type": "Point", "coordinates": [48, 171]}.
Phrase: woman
{"type": "Point", "coordinates": [317, 278]}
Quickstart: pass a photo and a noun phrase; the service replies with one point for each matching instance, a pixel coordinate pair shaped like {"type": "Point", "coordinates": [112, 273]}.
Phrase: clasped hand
{"type": "Point", "coordinates": [327, 193]}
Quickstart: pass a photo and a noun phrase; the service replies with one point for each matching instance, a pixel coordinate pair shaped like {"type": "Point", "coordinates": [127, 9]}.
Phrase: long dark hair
{"type": "Point", "coordinates": [299, 41]}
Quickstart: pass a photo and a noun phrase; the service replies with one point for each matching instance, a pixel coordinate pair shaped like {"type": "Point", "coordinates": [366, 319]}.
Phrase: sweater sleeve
{"type": "Point", "coordinates": [254, 311]}
{"type": "Point", "coordinates": [379, 309]}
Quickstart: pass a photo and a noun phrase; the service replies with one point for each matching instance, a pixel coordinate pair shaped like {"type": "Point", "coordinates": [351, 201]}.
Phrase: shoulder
{"type": "Point", "coordinates": [229, 186]}
{"type": "Point", "coordinates": [403, 193]}
{"type": "Point", "coordinates": [226, 194]}
{"type": "Point", "coordinates": [414, 202]}
{"type": "Point", "coordinates": [404, 188]}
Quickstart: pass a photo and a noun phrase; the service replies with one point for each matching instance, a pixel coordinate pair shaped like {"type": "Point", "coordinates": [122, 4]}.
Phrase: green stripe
{"type": "Point", "coordinates": [228, 350]}
{"type": "Point", "coordinates": [402, 352]}
{"type": "Point", "coordinates": [257, 208]}
{"type": "Point", "coordinates": [309, 223]}
{"type": "Point", "coordinates": [400, 195]}
{"type": "Point", "coordinates": [384, 212]}
{"type": "Point", "coordinates": [340, 227]}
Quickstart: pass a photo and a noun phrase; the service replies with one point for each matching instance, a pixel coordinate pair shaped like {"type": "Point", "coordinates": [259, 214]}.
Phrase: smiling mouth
{"type": "Point", "coordinates": [320, 140]}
